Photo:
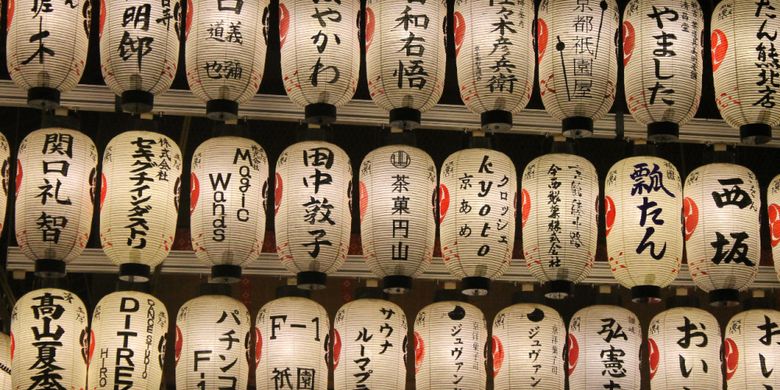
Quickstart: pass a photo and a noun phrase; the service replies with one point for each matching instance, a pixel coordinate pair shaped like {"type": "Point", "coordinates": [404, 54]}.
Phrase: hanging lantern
{"type": "Point", "coordinates": [139, 48]}
{"type": "Point", "coordinates": [684, 346]}
{"type": "Point", "coordinates": [603, 344]}
{"type": "Point", "coordinates": [5, 362]}
{"type": "Point", "coordinates": [751, 350]}
{"type": "Point", "coordinates": [49, 324]}
{"type": "Point", "coordinates": [496, 69]}
{"type": "Point", "coordinates": [320, 50]}
{"type": "Point", "coordinates": [527, 347]}
{"type": "Point", "coordinates": [577, 78]}
{"type": "Point", "coordinates": [312, 196]}
{"type": "Point", "coordinates": [5, 177]}
{"type": "Point", "coordinates": [292, 344]}
{"type": "Point", "coordinates": [55, 177]}
{"type": "Point", "coordinates": [560, 220]}
{"type": "Point", "coordinates": [744, 66]}
{"type": "Point", "coordinates": [663, 81]}
{"type": "Point", "coordinates": [643, 214]}
{"type": "Point", "coordinates": [369, 345]}
{"type": "Point", "coordinates": [449, 346]}
{"type": "Point", "coordinates": [405, 68]}
{"type": "Point", "coordinates": [225, 55]}
{"type": "Point", "coordinates": [773, 212]}
{"type": "Point", "coordinates": [228, 188]}
{"type": "Point", "coordinates": [212, 343]}
{"type": "Point", "coordinates": [398, 230]}
{"type": "Point", "coordinates": [139, 200]}
{"type": "Point", "coordinates": [723, 253]}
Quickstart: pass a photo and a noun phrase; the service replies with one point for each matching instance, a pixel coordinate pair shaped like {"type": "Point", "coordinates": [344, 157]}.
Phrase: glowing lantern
{"type": "Point", "coordinates": [5, 167]}
{"type": "Point", "coordinates": [773, 211]}
{"type": "Point", "coordinates": [5, 362]}
{"type": "Point", "coordinates": [751, 350]}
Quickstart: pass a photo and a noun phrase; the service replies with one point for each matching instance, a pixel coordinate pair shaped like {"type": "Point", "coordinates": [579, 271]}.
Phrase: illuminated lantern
{"type": "Point", "coordinates": [312, 196]}
{"type": "Point", "coordinates": [773, 211]}
{"type": "Point", "coordinates": [439, 329]}
{"type": "Point", "coordinates": [527, 346]}
{"type": "Point", "coordinates": [600, 336]}
{"type": "Point", "coordinates": [751, 350]}
{"type": "Point", "coordinates": [139, 48]}
{"type": "Point", "coordinates": [212, 343]}
{"type": "Point", "coordinates": [53, 323]}
{"type": "Point", "coordinates": [225, 52]}
{"type": "Point", "coordinates": [139, 200]}
{"type": "Point", "coordinates": [724, 249]}
{"type": "Point", "coordinates": [496, 69]}
{"type": "Point", "coordinates": [5, 168]}
{"type": "Point", "coordinates": [55, 178]}
{"type": "Point", "coordinates": [684, 346]}
{"type": "Point", "coordinates": [643, 212]}
{"type": "Point", "coordinates": [5, 362]}
{"type": "Point", "coordinates": [577, 61]}
{"type": "Point", "coordinates": [662, 43]}
{"type": "Point", "coordinates": [406, 64]}
{"type": "Point", "coordinates": [292, 337]}
{"type": "Point", "coordinates": [369, 345]}
{"type": "Point", "coordinates": [743, 66]}
{"type": "Point", "coordinates": [564, 255]}
{"type": "Point", "coordinates": [320, 51]}
{"type": "Point", "coordinates": [228, 186]}
{"type": "Point", "coordinates": [398, 229]}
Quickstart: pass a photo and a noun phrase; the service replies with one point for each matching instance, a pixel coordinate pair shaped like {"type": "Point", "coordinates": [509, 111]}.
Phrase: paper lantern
{"type": "Point", "coordinates": [139, 200]}
{"type": "Point", "coordinates": [212, 343]}
{"type": "Point", "coordinates": [751, 350]}
{"type": "Point", "coordinates": [773, 212]}
{"type": "Point", "coordinates": [684, 346]}
{"type": "Point", "coordinates": [604, 343]}
{"type": "Point", "coordinates": [397, 221]}
{"type": "Point", "coordinates": [49, 341]}
{"type": "Point", "coordinates": [560, 220]}
{"type": "Point", "coordinates": [449, 346]}
{"type": "Point", "coordinates": [55, 178]}
{"type": "Point", "coordinates": [5, 362]}
{"type": "Point", "coordinates": [405, 68]}
{"type": "Point", "coordinates": [577, 78]}
{"type": "Point", "coordinates": [744, 66]}
{"type": "Point", "coordinates": [228, 188]}
{"type": "Point", "coordinates": [527, 346]}
{"type": "Point", "coordinates": [369, 345]}
{"type": "Point", "coordinates": [139, 48]}
{"type": "Point", "coordinates": [320, 50]}
{"type": "Point", "coordinates": [496, 69]}
{"type": "Point", "coordinates": [5, 177]}
{"type": "Point", "coordinates": [723, 253]}
{"type": "Point", "coordinates": [643, 213]}
{"type": "Point", "coordinates": [225, 55]}
{"type": "Point", "coordinates": [477, 198]}
{"type": "Point", "coordinates": [47, 47]}
{"type": "Point", "coordinates": [662, 43]}
{"type": "Point", "coordinates": [292, 337]}
{"type": "Point", "coordinates": [312, 197]}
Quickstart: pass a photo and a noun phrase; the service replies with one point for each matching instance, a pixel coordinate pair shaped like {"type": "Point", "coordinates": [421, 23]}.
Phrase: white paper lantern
{"type": "Point", "coordinates": [212, 344]}
{"type": "Point", "coordinates": [369, 346]}
{"type": "Point", "coordinates": [47, 47]}
{"type": "Point", "coordinates": [773, 212]}
{"type": "Point", "coordinates": [604, 345]}
{"type": "Point", "coordinates": [49, 341]}
{"type": "Point", "coordinates": [405, 66]}
{"type": "Point", "coordinates": [723, 245]}
{"type": "Point", "coordinates": [228, 188]}
{"type": "Point", "coordinates": [320, 50]}
{"type": "Point", "coordinates": [139, 48]}
{"type": "Point", "coordinates": [55, 177]}
{"type": "Point", "coordinates": [577, 61]}
{"type": "Point", "coordinates": [5, 177]}
{"type": "Point", "coordinates": [225, 52]}
{"type": "Point", "coordinates": [751, 350]}
{"type": "Point", "coordinates": [397, 221]}
{"type": "Point", "coordinates": [560, 220]}
{"type": "Point", "coordinates": [643, 211]}
{"type": "Point", "coordinates": [496, 69]}
{"type": "Point", "coordinates": [528, 344]}
{"type": "Point", "coordinates": [139, 199]}
{"type": "Point", "coordinates": [684, 347]}
{"type": "Point", "coordinates": [292, 337]}
{"type": "Point", "coordinates": [313, 221]}
{"type": "Point", "coordinates": [744, 66]}
{"type": "Point", "coordinates": [5, 362]}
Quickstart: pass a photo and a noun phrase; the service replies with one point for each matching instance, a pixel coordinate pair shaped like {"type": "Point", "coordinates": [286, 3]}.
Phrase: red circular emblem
{"type": "Point", "coordinates": [459, 30]}
{"type": "Point", "coordinates": [774, 223]}
{"type": "Point", "coordinates": [336, 348]}
{"type": "Point", "coordinates": [731, 354]}
{"type": "Point", "coordinates": [363, 199]}
{"type": "Point", "coordinates": [525, 206]}
{"type": "Point", "coordinates": [574, 354]}
{"type": "Point", "coordinates": [277, 193]}
{"type": "Point", "coordinates": [629, 42]}
{"type": "Point", "coordinates": [258, 346]}
{"type": "Point", "coordinates": [370, 24]}
{"type": "Point", "coordinates": [444, 201]}
{"type": "Point", "coordinates": [419, 352]}
{"type": "Point", "coordinates": [498, 355]}
{"type": "Point", "coordinates": [179, 343]}
{"type": "Point", "coordinates": [655, 356]}
{"type": "Point", "coordinates": [284, 24]}
{"type": "Point", "coordinates": [194, 191]}
{"type": "Point", "coordinates": [609, 214]}
{"type": "Point", "coordinates": [720, 45]}
{"type": "Point", "coordinates": [541, 38]}
{"type": "Point", "coordinates": [691, 215]}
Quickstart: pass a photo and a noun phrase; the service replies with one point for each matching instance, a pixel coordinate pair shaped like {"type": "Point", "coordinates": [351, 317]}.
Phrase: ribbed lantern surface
{"type": "Point", "coordinates": [751, 350]}
{"type": "Point", "coordinates": [5, 177]}
{"type": "Point", "coordinates": [5, 362]}
{"type": "Point", "coordinates": [773, 212]}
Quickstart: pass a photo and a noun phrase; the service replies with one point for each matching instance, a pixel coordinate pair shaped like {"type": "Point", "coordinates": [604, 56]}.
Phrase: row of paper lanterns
{"type": "Point", "coordinates": [405, 56]}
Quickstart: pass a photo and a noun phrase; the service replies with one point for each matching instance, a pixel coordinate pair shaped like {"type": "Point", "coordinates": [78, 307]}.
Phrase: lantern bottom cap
{"type": "Point", "coordinates": [43, 98]}
{"type": "Point", "coordinates": [405, 118]}
{"type": "Point", "coordinates": [559, 289]}
{"type": "Point", "coordinates": [663, 131]}
{"type": "Point", "coordinates": [496, 120]}
{"type": "Point", "coordinates": [221, 110]}
{"type": "Point", "coordinates": [724, 297]}
{"type": "Point", "coordinates": [312, 280]}
{"type": "Point", "coordinates": [755, 133]}
{"type": "Point", "coordinates": [475, 286]}
{"type": "Point", "coordinates": [137, 102]}
{"type": "Point", "coordinates": [320, 113]}
{"type": "Point", "coordinates": [49, 268]}
{"type": "Point", "coordinates": [577, 127]}
{"type": "Point", "coordinates": [134, 272]}
{"type": "Point", "coordinates": [225, 273]}
{"type": "Point", "coordinates": [292, 291]}
{"type": "Point", "coordinates": [397, 284]}
{"type": "Point", "coordinates": [646, 294]}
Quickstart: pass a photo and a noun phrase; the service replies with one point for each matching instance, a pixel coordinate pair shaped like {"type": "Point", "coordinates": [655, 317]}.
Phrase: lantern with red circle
{"type": "Point", "coordinates": [5, 177]}
{"type": "Point", "coordinates": [751, 349]}
{"type": "Point", "coordinates": [773, 212]}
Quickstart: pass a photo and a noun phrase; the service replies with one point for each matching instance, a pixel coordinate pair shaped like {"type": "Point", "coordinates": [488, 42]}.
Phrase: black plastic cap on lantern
{"type": "Point", "coordinates": [43, 98]}
{"type": "Point", "coordinates": [137, 102]}
{"type": "Point", "coordinates": [320, 113]}
{"type": "Point", "coordinates": [292, 291]}
{"type": "Point", "coordinates": [221, 110]}
{"type": "Point", "coordinates": [755, 133]}
{"type": "Point", "coordinates": [646, 294]}
{"type": "Point", "coordinates": [396, 284]}
{"type": "Point", "coordinates": [370, 293]}
{"type": "Point", "coordinates": [312, 280]}
{"type": "Point", "coordinates": [449, 295]}
{"type": "Point", "coordinates": [475, 286]}
{"type": "Point", "coordinates": [559, 289]}
{"type": "Point", "coordinates": [134, 272]}
{"type": "Point", "coordinates": [49, 268]}
{"type": "Point", "coordinates": [405, 118]}
{"type": "Point", "coordinates": [496, 120]}
{"type": "Point", "coordinates": [724, 297]}
{"type": "Point", "coordinates": [225, 273]}
{"type": "Point", "coordinates": [577, 127]}
{"type": "Point", "coordinates": [663, 131]}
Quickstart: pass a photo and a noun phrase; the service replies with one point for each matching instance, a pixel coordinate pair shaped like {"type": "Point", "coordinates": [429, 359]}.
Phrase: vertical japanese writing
{"type": "Point", "coordinates": [612, 357]}
{"type": "Point", "coordinates": [294, 378]}
{"type": "Point", "coordinates": [47, 372]}
{"type": "Point", "coordinates": [730, 247]}
{"type": "Point", "coordinates": [141, 177]}
{"type": "Point", "coordinates": [226, 378]}
{"type": "Point", "coordinates": [502, 78]}
{"type": "Point", "coordinates": [411, 73]}
{"type": "Point", "coordinates": [554, 216]}
{"type": "Point", "coordinates": [317, 210]}
{"type": "Point", "coordinates": [692, 336]}
{"type": "Point", "coordinates": [663, 53]}
{"type": "Point", "coordinates": [648, 180]}
{"type": "Point", "coordinates": [60, 147]}
{"type": "Point", "coordinates": [585, 46]}
{"type": "Point", "coordinates": [225, 30]}
{"type": "Point", "coordinates": [767, 62]}
{"type": "Point", "coordinates": [136, 38]}
{"type": "Point", "coordinates": [326, 13]}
